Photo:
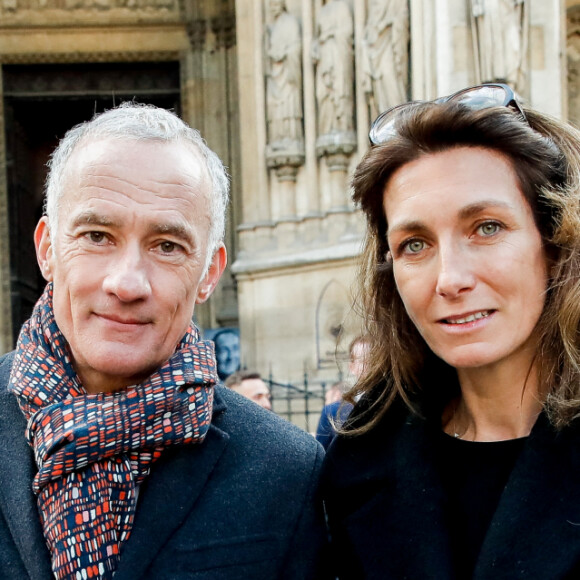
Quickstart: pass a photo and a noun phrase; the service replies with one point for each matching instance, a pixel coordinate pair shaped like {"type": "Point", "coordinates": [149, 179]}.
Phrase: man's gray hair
{"type": "Point", "coordinates": [134, 121]}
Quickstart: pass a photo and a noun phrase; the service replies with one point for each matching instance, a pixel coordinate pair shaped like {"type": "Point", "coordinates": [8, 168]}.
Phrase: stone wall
{"type": "Point", "coordinates": [285, 92]}
{"type": "Point", "coordinates": [299, 230]}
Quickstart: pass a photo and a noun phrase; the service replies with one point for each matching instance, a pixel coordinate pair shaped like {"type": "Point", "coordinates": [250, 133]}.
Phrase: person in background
{"type": "Point", "coordinates": [249, 384]}
{"type": "Point", "coordinates": [336, 411]}
{"type": "Point", "coordinates": [227, 352]}
{"type": "Point", "coordinates": [461, 458]}
{"type": "Point", "coordinates": [335, 393]}
{"type": "Point", "coordinates": [333, 415]}
{"type": "Point", "coordinates": [358, 352]}
{"type": "Point", "coordinates": [120, 455]}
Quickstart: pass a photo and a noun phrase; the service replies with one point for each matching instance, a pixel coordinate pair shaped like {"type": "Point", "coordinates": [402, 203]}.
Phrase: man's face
{"type": "Point", "coordinates": [129, 256]}
{"type": "Point", "coordinates": [256, 390]}
{"type": "Point", "coordinates": [227, 352]}
{"type": "Point", "coordinates": [276, 7]}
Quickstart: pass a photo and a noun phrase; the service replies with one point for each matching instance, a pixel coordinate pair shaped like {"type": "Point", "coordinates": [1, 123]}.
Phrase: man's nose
{"type": "Point", "coordinates": [266, 403]}
{"type": "Point", "coordinates": [127, 277]}
{"type": "Point", "coordinates": [455, 271]}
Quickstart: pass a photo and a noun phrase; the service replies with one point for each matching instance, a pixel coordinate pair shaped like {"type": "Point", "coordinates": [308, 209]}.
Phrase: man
{"type": "Point", "coordinates": [117, 453]}
{"type": "Point", "coordinates": [249, 384]}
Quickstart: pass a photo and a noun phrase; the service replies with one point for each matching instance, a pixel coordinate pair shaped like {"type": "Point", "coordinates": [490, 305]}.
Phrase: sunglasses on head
{"type": "Point", "coordinates": [476, 98]}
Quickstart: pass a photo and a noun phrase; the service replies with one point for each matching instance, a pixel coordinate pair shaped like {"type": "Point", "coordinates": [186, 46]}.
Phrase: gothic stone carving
{"type": "Point", "coordinates": [500, 32]}
{"type": "Point", "coordinates": [13, 6]}
{"type": "Point", "coordinates": [385, 57]}
{"type": "Point", "coordinates": [332, 52]}
{"type": "Point", "coordinates": [283, 53]}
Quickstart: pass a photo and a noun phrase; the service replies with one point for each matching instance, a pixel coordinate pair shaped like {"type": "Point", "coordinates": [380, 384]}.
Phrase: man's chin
{"type": "Point", "coordinates": [114, 372]}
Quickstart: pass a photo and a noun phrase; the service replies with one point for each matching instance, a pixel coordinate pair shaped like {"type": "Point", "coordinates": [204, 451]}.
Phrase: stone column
{"type": "Point", "coordinates": [5, 299]}
{"type": "Point", "coordinates": [284, 101]}
{"type": "Point", "coordinates": [333, 57]}
{"type": "Point", "coordinates": [209, 103]}
{"type": "Point", "coordinates": [573, 63]}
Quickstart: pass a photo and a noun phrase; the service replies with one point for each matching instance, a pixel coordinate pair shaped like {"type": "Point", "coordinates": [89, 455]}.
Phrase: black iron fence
{"type": "Point", "coordinates": [300, 403]}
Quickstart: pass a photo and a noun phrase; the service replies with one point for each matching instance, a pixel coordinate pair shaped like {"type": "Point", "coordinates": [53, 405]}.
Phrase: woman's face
{"type": "Point", "coordinates": [467, 256]}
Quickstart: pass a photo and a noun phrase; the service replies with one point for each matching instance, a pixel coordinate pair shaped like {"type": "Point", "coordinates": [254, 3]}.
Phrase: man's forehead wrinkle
{"type": "Point", "coordinates": [88, 178]}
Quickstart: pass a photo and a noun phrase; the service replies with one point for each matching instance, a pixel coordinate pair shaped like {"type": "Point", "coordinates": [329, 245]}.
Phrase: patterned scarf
{"type": "Point", "coordinates": [93, 450]}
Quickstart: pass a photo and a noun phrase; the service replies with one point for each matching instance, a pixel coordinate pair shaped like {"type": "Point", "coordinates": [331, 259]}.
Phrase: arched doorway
{"type": "Point", "coordinates": [41, 102]}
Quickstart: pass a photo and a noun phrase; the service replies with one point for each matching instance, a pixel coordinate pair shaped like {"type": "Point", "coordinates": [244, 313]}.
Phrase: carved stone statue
{"type": "Point", "coordinates": [10, 5]}
{"type": "Point", "coordinates": [386, 54]}
{"type": "Point", "coordinates": [500, 33]}
{"type": "Point", "coordinates": [284, 78]}
{"type": "Point", "coordinates": [332, 52]}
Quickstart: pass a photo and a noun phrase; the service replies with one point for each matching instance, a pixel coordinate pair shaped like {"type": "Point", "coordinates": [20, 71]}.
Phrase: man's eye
{"type": "Point", "coordinates": [96, 237]}
{"type": "Point", "coordinates": [168, 247]}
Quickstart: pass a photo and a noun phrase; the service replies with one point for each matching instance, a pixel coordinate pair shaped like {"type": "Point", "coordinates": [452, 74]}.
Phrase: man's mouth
{"type": "Point", "coordinates": [468, 318]}
{"type": "Point", "coordinates": [122, 320]}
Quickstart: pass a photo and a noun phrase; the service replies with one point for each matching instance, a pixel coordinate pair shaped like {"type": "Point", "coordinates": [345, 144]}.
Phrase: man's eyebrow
{"type": "Point", "coordinates": [93, 218]}
{"type": "Point", "coordinates": [172, 229]}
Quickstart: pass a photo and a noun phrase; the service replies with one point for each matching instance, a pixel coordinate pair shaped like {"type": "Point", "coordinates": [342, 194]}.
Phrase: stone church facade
{"type": "Point", "coordinates": [284, 92]}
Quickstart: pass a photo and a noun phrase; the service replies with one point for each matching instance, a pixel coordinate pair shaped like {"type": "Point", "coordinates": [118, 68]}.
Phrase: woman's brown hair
{"type": "Point", "coordinates": [545, 154]}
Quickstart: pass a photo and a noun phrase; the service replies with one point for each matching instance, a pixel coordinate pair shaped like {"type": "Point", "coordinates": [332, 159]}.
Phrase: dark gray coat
{"type": "Point", "coordinates": [385, 506]}
{"type": "Point", "coordinates": [241, 505]}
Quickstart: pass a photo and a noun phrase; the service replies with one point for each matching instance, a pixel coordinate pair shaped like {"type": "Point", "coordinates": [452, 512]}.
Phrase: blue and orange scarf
{"type": "Point", "coordinates": [93, 450]}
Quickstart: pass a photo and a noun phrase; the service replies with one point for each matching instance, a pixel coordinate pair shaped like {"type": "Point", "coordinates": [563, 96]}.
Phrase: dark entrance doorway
{"type": "Point", "coordinates": [41, 103]}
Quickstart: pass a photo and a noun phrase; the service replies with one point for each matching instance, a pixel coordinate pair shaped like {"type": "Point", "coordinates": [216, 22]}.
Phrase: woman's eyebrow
{"type": "Point", "coordinates": [483, 205]}
{"type": "Point", "coordinates": [406, 226]}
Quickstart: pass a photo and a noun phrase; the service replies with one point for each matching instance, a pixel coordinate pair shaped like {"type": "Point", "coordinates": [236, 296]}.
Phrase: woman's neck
{"type": "Point", "coordinates": [495, 404]}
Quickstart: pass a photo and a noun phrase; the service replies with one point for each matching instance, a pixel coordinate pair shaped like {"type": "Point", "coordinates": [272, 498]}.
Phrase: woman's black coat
{"type": "Point", "coordinates": [386, 507]}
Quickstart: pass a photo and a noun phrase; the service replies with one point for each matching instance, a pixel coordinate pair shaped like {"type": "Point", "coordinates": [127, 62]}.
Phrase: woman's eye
{"type": "Point", "coordinates": [489, 228]}
{"type": "Point", "coordinates": [414, 246]}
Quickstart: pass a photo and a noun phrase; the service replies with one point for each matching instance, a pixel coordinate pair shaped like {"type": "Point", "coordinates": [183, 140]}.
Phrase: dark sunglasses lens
{"type": "Point", "coordinates": [483, 97]}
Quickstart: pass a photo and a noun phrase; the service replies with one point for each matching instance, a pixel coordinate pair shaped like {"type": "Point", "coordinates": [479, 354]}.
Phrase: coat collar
{"type": "Point", "coordinates": [386, 486]}
{"type": "Point", "coordinates": [17, 500]}
{"type": "Point", "coordinates": [165, 498]}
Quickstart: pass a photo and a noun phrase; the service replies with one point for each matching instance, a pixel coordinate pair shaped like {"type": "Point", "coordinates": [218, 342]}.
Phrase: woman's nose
{"type": "Point", "coordinates": [455, 275]}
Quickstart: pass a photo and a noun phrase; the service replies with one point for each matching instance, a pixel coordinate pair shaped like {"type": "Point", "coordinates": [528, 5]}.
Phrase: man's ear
{"type": "Point", "coordinates": [214, 273]}
{"type": "Point", "coordinates": [44, 251]}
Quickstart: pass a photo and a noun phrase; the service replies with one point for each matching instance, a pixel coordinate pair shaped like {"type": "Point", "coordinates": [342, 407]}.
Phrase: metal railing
{"type": "Point", "coordinates": [300, 403]}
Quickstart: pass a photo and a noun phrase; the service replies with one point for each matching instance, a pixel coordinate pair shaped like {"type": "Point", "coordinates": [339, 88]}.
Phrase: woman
{"type": "Point", "coordinates": [462, 459]}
